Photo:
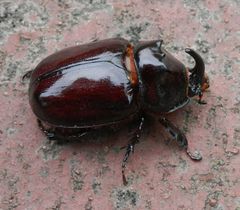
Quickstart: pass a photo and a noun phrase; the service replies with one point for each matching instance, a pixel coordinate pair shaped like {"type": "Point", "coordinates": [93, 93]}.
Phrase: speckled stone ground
{"type": "Point", "coordinates": [38, 174]}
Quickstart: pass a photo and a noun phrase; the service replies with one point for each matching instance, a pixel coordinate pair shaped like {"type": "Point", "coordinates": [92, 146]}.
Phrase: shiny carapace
{"type": "Point", "coordinates": [109, 82]}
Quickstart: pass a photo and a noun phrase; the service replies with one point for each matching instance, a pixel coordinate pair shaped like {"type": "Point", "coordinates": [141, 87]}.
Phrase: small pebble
{"type": "Point", "coordinates": [144, 173]}
{"type": "Point", "coordinates": [90, 198]}
{"type": "Point", "coordinates": [77, 172]}
{"type": "Point", "coordinates": [233, 150]}
{"type": "Point", "coordinates": [212, 202]}
{"type": "Point", "coordinates": [105, 165]}
{"type": "Point", "coordinates": [106, 149]}
{"type": "Point", "coordinates": [226, 20]}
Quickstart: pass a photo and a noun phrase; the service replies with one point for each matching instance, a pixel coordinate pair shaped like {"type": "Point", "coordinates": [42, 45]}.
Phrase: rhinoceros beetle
{"type": "Point", "coordinates": [110, 81]}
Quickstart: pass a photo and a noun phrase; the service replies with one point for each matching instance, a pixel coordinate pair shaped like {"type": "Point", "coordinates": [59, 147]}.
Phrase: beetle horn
{"type": "Point", "coordinates": [199, 63]}
{"type": "Point", "coordinates": [196, 78]}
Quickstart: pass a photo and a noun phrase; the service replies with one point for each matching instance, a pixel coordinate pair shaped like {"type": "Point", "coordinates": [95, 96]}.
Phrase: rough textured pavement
{"type": "Point", "coordinates": [38, 174]}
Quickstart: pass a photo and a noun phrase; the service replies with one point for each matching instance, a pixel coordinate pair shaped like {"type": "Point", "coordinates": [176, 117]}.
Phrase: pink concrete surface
{"type": "Point", "coordinates": [38, 174]}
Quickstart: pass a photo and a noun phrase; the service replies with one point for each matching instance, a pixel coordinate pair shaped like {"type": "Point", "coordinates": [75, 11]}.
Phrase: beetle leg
{"type": "Point", "coordinates": [179, 136]}
{"type": "Point", "coordinates": [27, 75]}
{"type": "Point", "coordinates": [130, 148]}
{"type": "Point", "coordinates": [51, 135]}
{"type": "Point", "coordinates": [200, 101]}
{"type": "Point", "coordinates": [59, 137]}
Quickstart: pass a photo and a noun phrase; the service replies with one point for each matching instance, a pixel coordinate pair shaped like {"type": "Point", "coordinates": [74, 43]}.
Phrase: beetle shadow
{"type": "Point", "coordinates": [114, 136]}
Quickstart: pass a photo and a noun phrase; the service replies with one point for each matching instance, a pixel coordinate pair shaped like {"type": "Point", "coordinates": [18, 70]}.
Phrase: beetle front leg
{"type": "Point", "coordinates": [130, 148]}
{"type": "Point", "coordinates": [200, 101]}
{"type": "Point", "coordinates": [179, 136]}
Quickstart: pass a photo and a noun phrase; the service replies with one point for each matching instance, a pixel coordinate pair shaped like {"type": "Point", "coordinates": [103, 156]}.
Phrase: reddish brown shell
{"type": "Point", "coordinates": [164, 80]}
{"type": "Point", "coordinates": [84, 86]}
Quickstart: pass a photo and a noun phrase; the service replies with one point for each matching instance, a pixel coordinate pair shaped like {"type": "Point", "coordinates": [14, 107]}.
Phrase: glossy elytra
{"type": "Point", "coordinates": [110, 81]}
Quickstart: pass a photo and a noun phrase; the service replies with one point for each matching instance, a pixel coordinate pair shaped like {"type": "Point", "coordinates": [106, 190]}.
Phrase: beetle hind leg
{"type": "Point", "coordinates": [181, 139]}
{"type": "Point", "coordinates": [27, 75]}
{"type": "Point", "coordinates": [50, 133]}
{"type": "Point", "coordinates": [130, 148]}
